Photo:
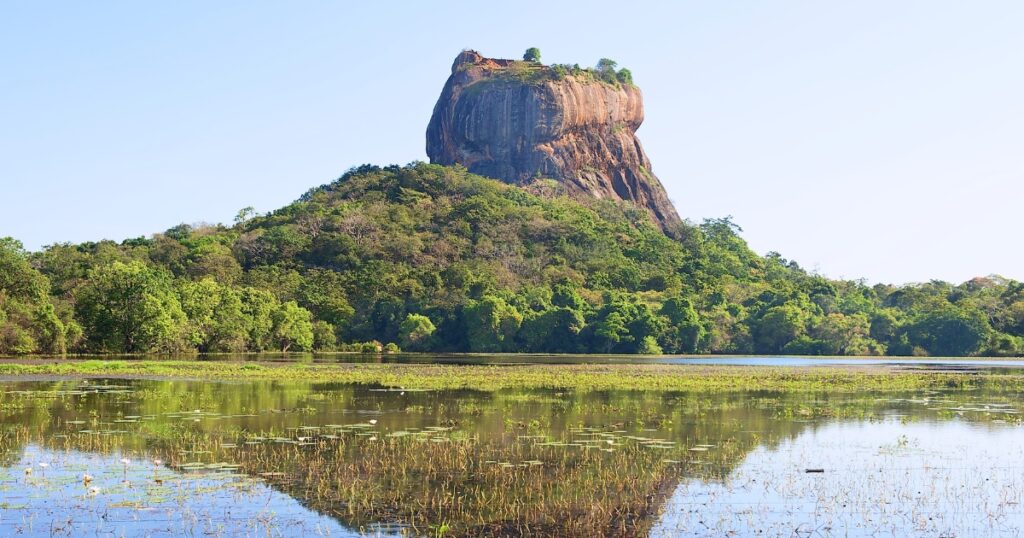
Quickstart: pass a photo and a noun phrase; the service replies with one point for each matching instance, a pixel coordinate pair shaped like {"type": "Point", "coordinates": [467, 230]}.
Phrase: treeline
{"type": "Point", "coordinates": [433, 258]}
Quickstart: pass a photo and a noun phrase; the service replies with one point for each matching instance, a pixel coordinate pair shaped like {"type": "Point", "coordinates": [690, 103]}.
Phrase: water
{"type": "Point", "coordinates": [100, 494]}
{"type": "Point", "coordinates": [885, 478]}
{"type": "Point", "coordinates": [297, 459]}
{"type": "Point", "coordinates": [937, 364]}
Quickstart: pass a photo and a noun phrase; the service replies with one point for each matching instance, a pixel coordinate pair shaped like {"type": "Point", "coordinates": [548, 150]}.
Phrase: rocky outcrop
{"type": "Point", "coordinates": [517, 121]}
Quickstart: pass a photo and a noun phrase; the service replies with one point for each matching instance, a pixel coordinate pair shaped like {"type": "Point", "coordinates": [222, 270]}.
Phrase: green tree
{"type": "Point", "coordinates": [779, 326]}
{"type": "Point", "coordinates": [606, 65]}
{"type": "Point", "coordinates": [611, 332]}
{"type": "Point", "coordinates": [846, 335]}
{"type": "Point", "coordinates": [214, 260]}
{"type": "Point", "coordinates": [567, 296]}
{"type": "Point", "coordinates": [415, 332]}
{"type": "Point", "coordinates": [216, 320]}
{"type": "Point", "coordinates": [649, 346]}
{"type": "Point", "coordinates": [532, 55]}
{"type": "Point", "coordinates": [949, 331]}
{"type": "Point", "coordinates": [1004, 345]}
{"type": "Point", "coordinates": [323, 293]}
{"type": "Point", "coordinates": [259, 306]}
{"type": "Point", "coordinates": [29, 322]}
{"type": "Point", "coordinates": [293, 327]}
{"type": "Point", "coordinates": [17, 277]}
{"type": "Point", "coordinates": [491, 325]}
{"type": "Point", "coordinates": [625, 76]}
{"type": "Point", "coordinates": [685, 331]}
{"type": "Point", "coordinates": [244, 214]}
{"type": "Point", "coordinates": [128, 307]}
{"type": "Point", "coordinates": [324, 338]}
{"type": "Point", "coordinates": [555, 330]}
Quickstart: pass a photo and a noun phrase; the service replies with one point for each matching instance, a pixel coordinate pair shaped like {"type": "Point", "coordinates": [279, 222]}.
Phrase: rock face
{"type": "Point", "coordinates": [517, 121]}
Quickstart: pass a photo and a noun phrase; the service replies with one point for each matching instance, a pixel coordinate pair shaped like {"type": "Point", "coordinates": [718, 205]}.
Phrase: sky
{"type": "Point", "coordinates": [875, 139]}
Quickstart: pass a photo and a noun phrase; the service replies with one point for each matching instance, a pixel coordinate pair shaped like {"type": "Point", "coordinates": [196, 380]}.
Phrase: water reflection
{"type": "Point", "coordinates": [990, 365]}
{"type": "Point", "coordinates": [508, 462]}
{"type": "Point", "coordinates": [57, 492]}
{"type": "Point", "coordinates": [883, 478]}
{"type": "Point", "coordinates": [1001, 365]}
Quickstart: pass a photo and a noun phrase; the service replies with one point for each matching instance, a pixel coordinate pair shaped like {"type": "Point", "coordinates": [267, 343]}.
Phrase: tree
{"type": "Point", "coordinates": [777, 327]}
{"type": "Point", "coordinates": [244, 214]}
{"type": "Point", "coordinates": [130, 308]}
{"type": "Point", "coordinates": [214, 260]}
{"type": "Point", "coordinates": [322, 292]}
{"type": "Point", "coordinates": [415, 332]}
{"type": "Point", "coordinates": [28, 319]}
{"type": "Point", "coordinates": [685, 330]}
{"type": "Point", "coordinates": [621, 325]}
{"type": "Point", "coordinates": [843, 335]}
{"type": "Point", "coordinates": [259, 307]}
{"type": "Point", "coordinates": [567, 296]}
{"type": "Point", "coordinates": [605, 65]}
{"type": "Point", "coordinates": [491, 325]}
{"type": "Point", "coordinates": [611, 331]}
{"type": "Point", "coordinates": [949, 331]}
{"type": "Point", "coordinates": [554, 330]}
{"type": "Point", "coordinates": [1004, 345]}
{"type": "Point", "coordinates": [324, 338]}
{"type": "Point", "coordinates": [216, 320]}
{"type": "Point", "coordinates": [293, 327]}
{"type": "Point", "coordinates": [17, 277]}
{"type": "Point", "coordinates": [50, 332]}
{"type": "Point", "coordinates": [649, 346]}
{"type": "Point", "coordinates": [532, 55]}
{"type": "Point", "coordinates": [625, 76]}
{"type": "Point", "coordinates": [606, 70]}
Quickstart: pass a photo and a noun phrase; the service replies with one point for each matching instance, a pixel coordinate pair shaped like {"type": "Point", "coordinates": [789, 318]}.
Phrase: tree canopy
{"type": "Point", "coordinates": [434, 258]}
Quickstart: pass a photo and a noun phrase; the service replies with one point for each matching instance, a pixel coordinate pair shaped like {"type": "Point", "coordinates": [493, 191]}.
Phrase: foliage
{"type": "Point", "coordinates": [437, 259]}
{"type": "Point", "coordinates": [415, 332]}
{"type": "Point", "coordinates": [30, 321]}
{"type": "Point", "coordinates": [491, 325]}
{"type": "Point", "coordinates": [130, 307]}
{"type": "Point", "coordinates": [531, 71]}
{"type": "Point", "coordinates": [292, 328]}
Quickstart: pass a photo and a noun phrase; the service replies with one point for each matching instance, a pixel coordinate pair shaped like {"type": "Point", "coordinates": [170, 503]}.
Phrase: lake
{"type": "Point", "coordinates": [172, 457]}
{"type": "Point", "coordinates": [919, 363]}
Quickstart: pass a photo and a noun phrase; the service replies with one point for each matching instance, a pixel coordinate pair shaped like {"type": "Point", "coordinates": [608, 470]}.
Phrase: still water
{"type": "Point", "coordinates": [910, 363]}
{"type": "Point", "coordinates": [140, 457]}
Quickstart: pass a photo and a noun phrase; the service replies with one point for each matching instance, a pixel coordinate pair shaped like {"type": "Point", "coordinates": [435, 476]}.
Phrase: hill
{"type": "Point", "coordinates": [434, 258]}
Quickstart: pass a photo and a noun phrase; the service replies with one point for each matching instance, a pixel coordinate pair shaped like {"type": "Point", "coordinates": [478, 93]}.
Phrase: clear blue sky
{"type": "Point", "coordinates": [873, 139]}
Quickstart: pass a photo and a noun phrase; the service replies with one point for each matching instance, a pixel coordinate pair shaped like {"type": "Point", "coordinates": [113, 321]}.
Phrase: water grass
{"type": "Point", "coordinates": [568, 377]}
{"type": "Point", "coordinates": [545, 461]}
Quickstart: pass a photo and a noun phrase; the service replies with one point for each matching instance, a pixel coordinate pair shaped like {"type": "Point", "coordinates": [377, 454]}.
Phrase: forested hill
{"type": "Point", "coordinates": [433, 258]}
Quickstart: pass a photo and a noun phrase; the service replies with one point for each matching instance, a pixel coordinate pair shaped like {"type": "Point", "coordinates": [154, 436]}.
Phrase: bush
{"type": "Point", "coordinates": [625, 76]}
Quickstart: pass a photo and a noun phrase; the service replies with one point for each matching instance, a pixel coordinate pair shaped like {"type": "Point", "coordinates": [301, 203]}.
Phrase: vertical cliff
{"type": "Point", "coordinates": [517, 121]}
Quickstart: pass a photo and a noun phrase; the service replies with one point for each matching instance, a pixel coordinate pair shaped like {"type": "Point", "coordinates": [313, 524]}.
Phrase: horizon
{"type": "Point", "coordinates": [885, 152]}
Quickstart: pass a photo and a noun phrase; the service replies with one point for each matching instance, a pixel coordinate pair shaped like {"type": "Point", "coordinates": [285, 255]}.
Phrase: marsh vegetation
{"type": "Point", "coordinates": [256, 455]}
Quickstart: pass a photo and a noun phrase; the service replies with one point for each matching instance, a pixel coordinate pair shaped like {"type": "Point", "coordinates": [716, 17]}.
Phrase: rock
{"type": "Point", "coordinates": [519, 121]}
